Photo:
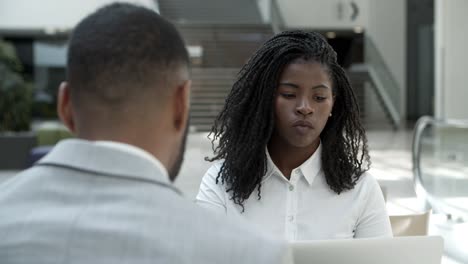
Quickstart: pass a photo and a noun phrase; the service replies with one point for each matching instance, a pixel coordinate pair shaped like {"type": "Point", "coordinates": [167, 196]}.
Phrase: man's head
{"type": "Point", "coordinates": [128, 81]}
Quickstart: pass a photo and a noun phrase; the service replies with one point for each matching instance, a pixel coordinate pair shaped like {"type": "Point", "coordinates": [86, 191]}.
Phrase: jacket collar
{"type": "Point", "coordinates": [108, 160]}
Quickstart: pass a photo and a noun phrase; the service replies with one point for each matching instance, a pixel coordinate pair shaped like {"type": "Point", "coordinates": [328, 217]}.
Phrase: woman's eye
{"type": "Point", "coordinates": [287, 95]}
{"type": "Point", "coordinates": [320, 98]}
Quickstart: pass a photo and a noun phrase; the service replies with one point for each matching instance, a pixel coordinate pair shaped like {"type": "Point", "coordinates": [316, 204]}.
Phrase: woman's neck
{"type": "Point", "coordinates": [287, 157]}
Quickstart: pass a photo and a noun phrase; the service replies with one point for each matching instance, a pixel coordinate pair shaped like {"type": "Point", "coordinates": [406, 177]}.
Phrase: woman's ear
{"type": "Point", "coordinates": [64, 107]}
{"type": "Point", "coordinates": [182, 105]}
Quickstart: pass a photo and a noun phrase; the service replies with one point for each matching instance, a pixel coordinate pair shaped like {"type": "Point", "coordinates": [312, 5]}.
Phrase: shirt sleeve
{"type": "Point", "coordinates": [374, 220]}
{"type": "Point", "coordinates": [212, 195]}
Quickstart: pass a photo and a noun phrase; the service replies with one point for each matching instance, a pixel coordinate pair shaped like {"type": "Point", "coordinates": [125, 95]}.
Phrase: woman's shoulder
{"type": "Point", "coordinates": [213, 171]}
{"type": "Point", "coordinates": [369, 187]}
{"type": "Point", "coordinates": [215, 166]}
{"type": "Point", "coordinates": [367, 182]}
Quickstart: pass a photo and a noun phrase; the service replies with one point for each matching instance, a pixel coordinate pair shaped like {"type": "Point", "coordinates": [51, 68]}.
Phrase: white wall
{"type": "Point", "coordinates": [323, 14]}
{"type": "Point", "coordinates": [51, 14]}
{"type": "Point", "coordinates": [451, 42]}
{"type": "Point", "coordinates": [387, 29]}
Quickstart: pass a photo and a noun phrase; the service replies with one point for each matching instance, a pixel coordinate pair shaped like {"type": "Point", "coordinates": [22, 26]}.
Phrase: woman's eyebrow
{"type": "Point", "coordinates": [297, 86]}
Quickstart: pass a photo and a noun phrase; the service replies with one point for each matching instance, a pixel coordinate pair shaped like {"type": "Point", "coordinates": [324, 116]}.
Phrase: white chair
{"type": "Point", "coordinates": [410, 225]}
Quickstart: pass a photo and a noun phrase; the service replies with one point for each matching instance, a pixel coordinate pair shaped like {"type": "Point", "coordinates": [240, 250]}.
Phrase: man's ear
{"type": "Point", "coordinates": [64, 107]}
{"type": "Point", "coordinates": [182, 105]}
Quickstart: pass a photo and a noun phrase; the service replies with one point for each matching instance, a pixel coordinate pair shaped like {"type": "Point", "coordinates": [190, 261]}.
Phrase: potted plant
{"type": "Point", "coordinates": [15, 111]}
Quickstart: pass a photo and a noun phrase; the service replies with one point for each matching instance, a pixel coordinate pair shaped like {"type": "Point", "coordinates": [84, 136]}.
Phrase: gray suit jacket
{"type": "Point", "coordinates": [84, 203]}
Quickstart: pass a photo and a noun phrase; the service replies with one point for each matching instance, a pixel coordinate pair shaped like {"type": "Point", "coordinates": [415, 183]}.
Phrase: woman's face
{"type": "Point", "coordinates": [303, 103]}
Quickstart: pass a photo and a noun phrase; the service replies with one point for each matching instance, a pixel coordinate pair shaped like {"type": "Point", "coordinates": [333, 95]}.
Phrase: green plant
{"type": "Point", "coordinates": [15, 93]}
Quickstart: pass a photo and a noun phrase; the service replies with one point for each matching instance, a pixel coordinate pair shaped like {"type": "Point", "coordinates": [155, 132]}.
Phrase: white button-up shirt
{"type": "Point", "coordinates": [304, 207]}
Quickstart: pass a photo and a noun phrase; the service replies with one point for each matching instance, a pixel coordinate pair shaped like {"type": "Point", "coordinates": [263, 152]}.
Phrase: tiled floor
{"type": "Point", "coordinates": [391, 164]}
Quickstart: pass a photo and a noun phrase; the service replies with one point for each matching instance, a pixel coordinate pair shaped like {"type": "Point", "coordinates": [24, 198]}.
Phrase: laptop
{"type": "Point", "coordinates": [398, 250]}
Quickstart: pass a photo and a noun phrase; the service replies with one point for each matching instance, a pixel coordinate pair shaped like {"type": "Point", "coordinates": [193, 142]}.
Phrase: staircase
{"type": "Point", "coordinates": [228, 33]}
{"type": "Point", "coordinates": [374, 115]}
{"type": "Point", "coordinates": [210, 86]}
{"type": "Point", "coordinates": [224, 45]}
{"type": "Point", "coordinates": [214, 12]}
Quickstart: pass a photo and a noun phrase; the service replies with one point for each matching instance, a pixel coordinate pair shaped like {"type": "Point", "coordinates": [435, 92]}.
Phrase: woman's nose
{"type": "Point", "coordinates": [304, 107]}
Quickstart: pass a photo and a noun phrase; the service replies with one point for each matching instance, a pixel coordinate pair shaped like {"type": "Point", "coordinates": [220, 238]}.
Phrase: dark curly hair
{"type": "Point", "coordinates": [246, 123]}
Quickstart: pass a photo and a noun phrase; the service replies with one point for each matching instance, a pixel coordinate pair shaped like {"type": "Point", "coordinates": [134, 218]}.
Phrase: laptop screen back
{"type": "Point", "coordinates": [398, 250]}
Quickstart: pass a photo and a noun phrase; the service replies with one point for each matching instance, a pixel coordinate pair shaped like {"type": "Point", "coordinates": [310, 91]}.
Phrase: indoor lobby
{"type": "Point", "coordinates": [404, 60]}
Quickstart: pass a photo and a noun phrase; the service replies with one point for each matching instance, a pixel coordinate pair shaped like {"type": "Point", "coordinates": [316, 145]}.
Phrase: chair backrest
{"type": "Point", "coordinates": [410, 225]}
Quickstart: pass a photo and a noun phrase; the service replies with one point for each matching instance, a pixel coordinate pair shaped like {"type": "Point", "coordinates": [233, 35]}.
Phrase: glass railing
{"type": "Point", "coordinates": [440, 165]}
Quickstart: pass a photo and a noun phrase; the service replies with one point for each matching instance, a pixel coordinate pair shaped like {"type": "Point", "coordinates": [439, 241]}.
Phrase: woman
{"type": "Point", "coordinates": [292, 154]}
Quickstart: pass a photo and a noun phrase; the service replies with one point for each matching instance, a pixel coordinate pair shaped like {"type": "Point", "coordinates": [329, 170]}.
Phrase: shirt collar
{"type": "Point", "coordinates": [107, 157]}
{"type": "Point", "coordinates": [135, 151]}
{"type": "Point", "coordinates": [309, 169]}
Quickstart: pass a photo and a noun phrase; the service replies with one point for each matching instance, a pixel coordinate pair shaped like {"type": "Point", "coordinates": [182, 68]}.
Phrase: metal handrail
{"type": "Point", "coordinates": [384, 83]}
{"type": "Point", "coordinates": [383, 95]}
{"type": "Point", "coordinates": [276, 19]}
{"type": "Point", "coordinates": [421, 124]}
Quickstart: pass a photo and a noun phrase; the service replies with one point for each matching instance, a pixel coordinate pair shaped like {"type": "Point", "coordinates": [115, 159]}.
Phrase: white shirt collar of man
{"type": "Point", "coordinates": [132, 150]}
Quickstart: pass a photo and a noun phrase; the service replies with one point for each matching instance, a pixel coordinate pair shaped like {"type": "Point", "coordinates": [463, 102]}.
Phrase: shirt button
{"type": "Point", "coordinates": [297, 172]}
{"type": "Point", "coordinates": [291, 218]}
{"type": "Point", "coordinates": [291, 187]}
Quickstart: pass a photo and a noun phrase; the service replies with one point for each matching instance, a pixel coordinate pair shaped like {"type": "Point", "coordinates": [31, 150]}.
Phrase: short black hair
{"type": "Point", "coordinates": [246, 123]}
{"type": "Point", "coordinates": [119, 50]}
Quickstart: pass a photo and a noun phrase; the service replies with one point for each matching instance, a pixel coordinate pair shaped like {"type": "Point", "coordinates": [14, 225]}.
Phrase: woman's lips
{"type": "Point", "coordinates": [303, 123]}
{"type": "Point", "coordinates": [302, 126]}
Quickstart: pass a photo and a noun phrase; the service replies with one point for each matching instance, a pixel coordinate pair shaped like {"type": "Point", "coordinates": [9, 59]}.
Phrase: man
{"type": "Point", "coordinates": [106, 197]}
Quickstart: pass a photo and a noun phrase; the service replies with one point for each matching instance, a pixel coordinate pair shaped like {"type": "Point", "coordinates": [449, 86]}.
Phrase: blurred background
{"type": "Point", "coordinates": [405, 59]}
